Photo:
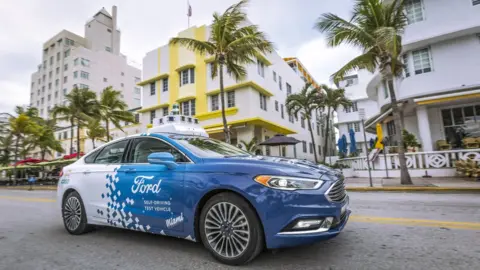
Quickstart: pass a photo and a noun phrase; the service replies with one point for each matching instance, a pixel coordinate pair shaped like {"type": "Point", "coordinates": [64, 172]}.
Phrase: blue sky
{"type": "Point", "coordinates": [147, 24]}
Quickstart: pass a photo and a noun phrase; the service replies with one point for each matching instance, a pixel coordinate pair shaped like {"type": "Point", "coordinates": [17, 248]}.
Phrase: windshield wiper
{"type": "Point", "coordinates": [236, 156]}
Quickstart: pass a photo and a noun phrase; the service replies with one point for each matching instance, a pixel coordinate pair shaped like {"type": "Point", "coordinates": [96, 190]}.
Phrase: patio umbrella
{"type": "Point", "coordinates": [279, 140]}
{"type": "Point", "coordinates": [379, 144]}
{"type": "Point", "coordinates": [353, 142]}
{"type": "Point", "coordinates": [344, 144]}
{"type": "Point", "coordinates": [372, 142]}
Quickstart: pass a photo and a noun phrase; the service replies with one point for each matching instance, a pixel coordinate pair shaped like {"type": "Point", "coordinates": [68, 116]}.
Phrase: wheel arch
{"type": "Point", "coordinates": [210, 194]}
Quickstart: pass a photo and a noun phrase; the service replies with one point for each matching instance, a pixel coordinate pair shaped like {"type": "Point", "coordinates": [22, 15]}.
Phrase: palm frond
{"type": "Point", "coordinates": [202, 47]}
{"type": "Point", "coordinates": [366, 61]}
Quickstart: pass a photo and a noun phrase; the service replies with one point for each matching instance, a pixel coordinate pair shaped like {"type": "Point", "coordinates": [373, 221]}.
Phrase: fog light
{"type": "Point", "coordinates": [306, 224]}
{"type": "Point", "coordinates": [327, 223]}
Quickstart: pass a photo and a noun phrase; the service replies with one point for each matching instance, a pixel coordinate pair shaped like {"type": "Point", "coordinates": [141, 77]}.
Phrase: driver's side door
{"type": "Point", "coordinates": [155, 194]}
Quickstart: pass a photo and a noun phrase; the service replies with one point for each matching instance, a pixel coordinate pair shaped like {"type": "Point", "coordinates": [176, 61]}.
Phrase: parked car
{"type": "Point", "coordinates": [176, 181]}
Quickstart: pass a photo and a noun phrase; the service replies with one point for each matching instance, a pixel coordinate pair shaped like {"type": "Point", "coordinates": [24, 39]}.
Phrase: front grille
{"type": "Point", "coordinates": [337, 192]}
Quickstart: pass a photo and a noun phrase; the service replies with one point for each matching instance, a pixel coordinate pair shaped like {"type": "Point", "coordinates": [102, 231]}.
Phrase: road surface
{"type": "Point", "coordinates": [386, 231]}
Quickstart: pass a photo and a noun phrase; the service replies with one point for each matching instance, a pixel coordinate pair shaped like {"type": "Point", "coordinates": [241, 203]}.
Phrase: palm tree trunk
{"type": "Point", "coordinates": [78, 141]}
{"type": "Point", "coordinates": [405, 178]}
{"type": "Point", "coordinates": [107, 129]}
{"type": "Point", "coordinates": [17, 141]}
{"type": "Point", "coordinates": [72, 122]}
{"type": "Point", "coordinates": [327, 130]}
{"type": "Point", "coordinates": [313, 139]}
{"type": "Point", "coordinates": [222, 99]}
{"type": "Point", "coordinates": [93, 143]}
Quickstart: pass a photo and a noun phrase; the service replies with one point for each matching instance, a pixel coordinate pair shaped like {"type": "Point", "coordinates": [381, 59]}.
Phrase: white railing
{"type": "Point", "coordinates": [415, 160]}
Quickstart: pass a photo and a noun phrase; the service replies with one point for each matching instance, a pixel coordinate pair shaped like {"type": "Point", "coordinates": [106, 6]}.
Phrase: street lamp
{"type": "Point", "coordinates": [361, 113]}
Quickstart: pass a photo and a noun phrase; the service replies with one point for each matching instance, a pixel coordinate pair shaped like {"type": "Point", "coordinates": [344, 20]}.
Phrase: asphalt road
{"type": "Point", "coordinates": [386, 231]}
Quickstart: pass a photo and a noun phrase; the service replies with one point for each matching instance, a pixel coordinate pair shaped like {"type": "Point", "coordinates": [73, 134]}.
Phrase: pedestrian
{"type": "Point", "coordinates": [31, 180]}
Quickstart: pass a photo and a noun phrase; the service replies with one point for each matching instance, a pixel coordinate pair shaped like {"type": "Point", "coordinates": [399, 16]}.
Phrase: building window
{"type": "Point", "coordinates": [188, 107]}
{"type": "Point", "coordinates": [137, 90]}
{"type": "Point", "coordinates": [152, 116]}
{"type": "Point", "coordinates": [280, 84]}
{"type": "Point", "coordinates": [261, 68]}
{"type": "Point", "coordinates": [414, 10]}
{"type": "Point", "coordinates": [275, 76]}
{"type": "Point", "coordinates": [476, 2]}
{"type": "Point", "coordinates": [84, 75]}
{"type": "Point", "coordinates": [386, 88]}
{"type": "Point", "coordinates": [58, 56]}
{"type": "Point", "coordinates": [43, 100]}
{"type": "Point", "coordinates": [44, 77]}
{"type": "Point", "coordinates": [320, 150]}
{"type": "Point", "coordinates": [263, 102]}
{"type": "Point", "coordinates": [405, 65]}
{"type": "Point", "coordinates": [230, 99]}
{"type": "Point", "coordinates": [152, 89]}
{"type": "Point", "coordinates": [49, 97]}
{"type": "Point", "coordinates": [455, 118]}
{"type": "Point", "coordinates": [51, 60]}
{"type": "Point", "coordinates": [310, 147]}
{"type": "Point", "coordinates": [290, 118]}
{"type": "Point", "coordinates": [289, 89]}
{"type": "Point", "coordinates": [50, 74]}
{"type": "Point", "coordinates": [214, 102]}
{"type": "Point", "coordinates": [83, 86]}
{"type": "Point", "coordinates": [165, 111]}
{"type": "Point", "coordinates": [302, 122]}
{"type": "Point", "coordinates": [66, 53]}
{"type": "Point", "coordinates": [85, 62]}
{"type": "Point", "coordinates": [57, 70]}
{"type": "Point", "coordinates": [318, 130]}
{"type": "Point", "coordinates": [165, 85]}
{"type": "Point", "coordinates": [421, 61]}
{"type": "Point", "coordinates": [122, 74]}
{"type": "Point", "coordinates": [105, 80]}
{"type": "Point", "coordinates": [122, 85]}
{"type": "Point", "coordinates": [355, 126]}
{"type": "Point", "coordinates": [56, 82]}
{"type": "Point", "coordinates": [75, 62]}
{"type": "Point", "coordinates": [187, 76]}
{"type": "Point", "coordinates": [43, 89]}
{"type": "Point", "coordinates": [108, 49]}
{"type": "Point", "coordinates": [137, 118]}
{"type": "Point", "coordinates": [281, 111]}
{"type": "Point", "coordinates": [56, 94]}
{"type": "Point", "coordinates": [65, 79]}
{"type": "Point", "coordinates": [304, 146]}
{"type": "Point", "coordinates": [276, 105]}
{"type": "Point", "coordinates": [65, 67]}
{"type": "Point", "coordinates": [49, 86]}
{"type": "Point", "coordinates": [75, 74]}
{"type": "Point", "coordinates": [69, 42]}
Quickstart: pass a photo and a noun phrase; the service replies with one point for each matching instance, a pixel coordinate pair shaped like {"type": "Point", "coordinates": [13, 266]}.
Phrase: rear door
{"type": "Point", "coordinates": [100, 192]}
{"type": "Point", "coordinates": [155, 195]}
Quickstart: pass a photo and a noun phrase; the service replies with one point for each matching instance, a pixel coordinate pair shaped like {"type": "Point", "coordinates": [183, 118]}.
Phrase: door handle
{"type": "Point", "coordinates": [86, 172]}
{"type": "Point", "coordinates": [130, 171]}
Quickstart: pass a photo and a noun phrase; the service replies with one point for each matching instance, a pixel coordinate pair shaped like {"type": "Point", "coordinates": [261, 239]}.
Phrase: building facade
{"type": "Point", "coordinates": [440, 87]}
{"type": "Point", "coordinates": [255, 107]}
{"type": "Point", "coordinates": [93, 61]}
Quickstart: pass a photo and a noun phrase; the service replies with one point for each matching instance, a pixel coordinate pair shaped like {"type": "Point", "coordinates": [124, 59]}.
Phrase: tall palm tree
{"type": "Point", "coordinates": [233, 44]}
{"type": "Point", "coordinates": [96, 132]}
{"type": "Point", "coordinates": [250, 146]}
{"type": "Point", "coordinates": [113, 110]}
{"type": "Point", "coordinates": [6, 149]}
{"type": "Point", "coordinates": [332, 98]}
{"type": "Point", "coordinates": [45, 140]}
{"type": "Point", "coordinates": [82, 107]}
{"type": "Point", "coordinates": [21, 126]}
{"type": "Point", "coordinates": [305, 103]}
{"type": "Point", "coordinates": [376, 27]}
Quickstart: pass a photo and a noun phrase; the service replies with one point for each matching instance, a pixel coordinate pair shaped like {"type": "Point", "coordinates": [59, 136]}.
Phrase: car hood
{"type": "Point", "coordinates": [284, 166]}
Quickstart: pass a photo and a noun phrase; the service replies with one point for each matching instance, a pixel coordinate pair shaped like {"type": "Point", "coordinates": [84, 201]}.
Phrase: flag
{"type": "Point", "coordinates": [189, 14]}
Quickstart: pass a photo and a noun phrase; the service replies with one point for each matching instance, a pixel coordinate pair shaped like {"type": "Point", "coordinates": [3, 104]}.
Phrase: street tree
{"type": "Point", "coordinates": [376, 27]}
{"type": "Point", "coordinates": [233, 43]}
{"type": "Point", "coordinates": [250, 146]}
{"type": "Point", "coordinates": [306, 102]}
{"type": "Point", "coordinates": [96, 132]}
{"type": "Point", "coordinates": [20, 127]}
{"type": "Point", "coordinates": [113, 110]}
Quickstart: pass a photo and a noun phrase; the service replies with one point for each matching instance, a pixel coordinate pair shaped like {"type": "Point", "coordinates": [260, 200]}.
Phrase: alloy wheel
{"type": "Point", "coordinates": [72, 213]}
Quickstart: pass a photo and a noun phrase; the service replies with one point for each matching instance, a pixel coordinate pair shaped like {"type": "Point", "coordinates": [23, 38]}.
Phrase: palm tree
{"type": "Point", "coordinates": [82, 107]}
{"type": "Point", "coordinates": [113, 109]}
{"type": "Point", "coordinates": [6, 149]}
{"type": "Point", "coordinates": [250, 146]}
{"type": "Point", "coordinates": [332, 98]}
{"type": "Point", "coordinates": [96, 132]}
{"type": "Point", "coordinates": [20, 127]}
{"type": "Point", "coordinates": [375, 27]}
{"type": "Point", "coordinates": [45, 140]}
{"type": "Point", "coordinates": [306, 102]}
{"type": "Point", "coordinates": [232, 44]}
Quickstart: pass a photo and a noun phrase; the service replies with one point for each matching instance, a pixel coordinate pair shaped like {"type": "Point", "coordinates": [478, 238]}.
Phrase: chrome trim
{"type": "Point", "coordinates": [330, 189]}
{"type": "Point", "coordinates": [319, 230]}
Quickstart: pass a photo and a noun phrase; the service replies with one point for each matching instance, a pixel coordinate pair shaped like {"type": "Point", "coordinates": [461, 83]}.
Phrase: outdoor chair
{"type": "Point", "coordinates": [460, 166]}
{"type": "Point", "coordinates": [470, 143]}
{"type": "Point", "coordinates": [443, 145]}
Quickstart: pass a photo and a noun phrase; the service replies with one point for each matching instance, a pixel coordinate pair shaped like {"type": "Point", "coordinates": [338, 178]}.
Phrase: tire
{"type": "Point", "coordinates": [240, 218]}
{"type": "Point", "coordinates": [72, 206]}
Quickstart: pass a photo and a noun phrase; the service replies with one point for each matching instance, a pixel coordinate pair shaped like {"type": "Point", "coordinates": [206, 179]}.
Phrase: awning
{"type": "Point", "coordinates": [377, 118]}
{"type": "Point", "coordinates": [447, 97]}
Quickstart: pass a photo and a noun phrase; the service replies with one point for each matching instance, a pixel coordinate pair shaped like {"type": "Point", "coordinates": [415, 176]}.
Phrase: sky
{"type": "Point", "coordinates": [148, 24]}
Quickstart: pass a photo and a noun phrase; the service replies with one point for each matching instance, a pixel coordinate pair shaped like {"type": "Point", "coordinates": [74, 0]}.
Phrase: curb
{"type": "Point", "coordinates": [27, 188]}
{"type": "Point", "coordinates": [415, 189]}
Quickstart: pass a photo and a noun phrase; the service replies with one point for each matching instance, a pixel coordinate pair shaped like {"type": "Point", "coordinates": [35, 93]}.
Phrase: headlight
{"type": "Point", "coordinates": [288, 183]}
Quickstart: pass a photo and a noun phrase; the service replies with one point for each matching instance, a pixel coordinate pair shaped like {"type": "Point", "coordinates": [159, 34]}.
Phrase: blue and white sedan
{"type": "Point", "coordinates": [178, 182]}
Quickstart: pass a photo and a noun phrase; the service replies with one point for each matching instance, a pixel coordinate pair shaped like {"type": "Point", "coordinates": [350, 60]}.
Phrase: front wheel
{"type": "Point", "coordinates": [230, 229]}
{"type": "Point", "coordinates": [73, 214]}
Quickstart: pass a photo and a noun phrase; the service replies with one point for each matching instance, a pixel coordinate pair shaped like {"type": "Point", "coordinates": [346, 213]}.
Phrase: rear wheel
{"type": "Point", "coordinates": [73, 214]}
{"type": "Point", "coordinates": [230, 229]}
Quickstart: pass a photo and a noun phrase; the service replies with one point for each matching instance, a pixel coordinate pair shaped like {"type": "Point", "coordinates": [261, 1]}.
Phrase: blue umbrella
{"type": "Point", "coordinates": [344, 144]}
{"type": "Point", "coordinates": [372, 143]}
{"type": "Point", "coordinates": [339, 143]}
{"type": "Point", "coordinates": [353, 143]}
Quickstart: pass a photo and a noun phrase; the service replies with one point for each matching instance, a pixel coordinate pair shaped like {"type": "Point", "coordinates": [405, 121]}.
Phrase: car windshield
{"type": "Point", "coordinates": [207, 147]}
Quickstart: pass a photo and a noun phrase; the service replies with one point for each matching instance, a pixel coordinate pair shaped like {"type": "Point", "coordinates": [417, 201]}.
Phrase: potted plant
{"type": "Point", "coordinates": [410, 142]}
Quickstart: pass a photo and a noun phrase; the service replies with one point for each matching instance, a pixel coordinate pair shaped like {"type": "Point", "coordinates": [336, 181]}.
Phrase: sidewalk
{"type": "Point", "coordinates": [444, 184]}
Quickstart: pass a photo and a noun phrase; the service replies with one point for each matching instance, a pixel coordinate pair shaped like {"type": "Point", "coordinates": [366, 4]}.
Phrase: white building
{"type": "Point", "coordinates": [93, 61]}
{"type": "Point", "coordinates": [255, 107]}
{"type": "Point", "coordinates": [349, 118]}
{"type": "Point", "coordinates": [441, 84]}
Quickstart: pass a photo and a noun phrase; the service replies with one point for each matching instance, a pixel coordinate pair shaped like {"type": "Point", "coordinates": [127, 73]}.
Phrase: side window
{"type": "Point", "coordinates": [112, 153]}
{"type": "Point", "coordinates": [143, 147]}
{"type": "Point", "coordinates": [91, 157]}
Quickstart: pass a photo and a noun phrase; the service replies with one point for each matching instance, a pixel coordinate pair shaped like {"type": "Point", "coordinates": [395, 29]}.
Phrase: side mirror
{"type": "Point", "coordinates": [162, 158]}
